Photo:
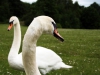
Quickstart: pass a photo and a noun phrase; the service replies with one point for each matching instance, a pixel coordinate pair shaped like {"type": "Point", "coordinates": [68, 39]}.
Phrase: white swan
{"type": "Point", "coordinates": [38, 26]}
{"type": "Point", "coordinates": [43, 55]}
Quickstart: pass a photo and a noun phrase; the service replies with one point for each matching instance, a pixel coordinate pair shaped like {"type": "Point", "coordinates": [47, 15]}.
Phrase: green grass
{"type": "Point", "coordinates": [81, 49]}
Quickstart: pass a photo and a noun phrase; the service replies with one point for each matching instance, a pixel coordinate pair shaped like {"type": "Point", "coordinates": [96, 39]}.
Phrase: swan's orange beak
{"type": "Point", "coordinates": [10, 26]}
{"type": "Point", "coordinates": [57, 35]}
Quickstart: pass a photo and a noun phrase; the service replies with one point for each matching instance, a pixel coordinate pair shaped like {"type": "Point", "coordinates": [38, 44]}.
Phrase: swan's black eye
{"type": "Point", "coordinates": [11, 22]}
{"type": "Point", "coordinates": [55, 26]}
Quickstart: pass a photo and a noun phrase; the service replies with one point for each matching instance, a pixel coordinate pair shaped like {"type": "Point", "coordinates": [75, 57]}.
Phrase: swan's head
{"type": "Point", "coordinates": [12, 22]}
{"type": "Point", "coordinates": [49, 26]}
{"type": "Point", "coordinates": [56, 34]}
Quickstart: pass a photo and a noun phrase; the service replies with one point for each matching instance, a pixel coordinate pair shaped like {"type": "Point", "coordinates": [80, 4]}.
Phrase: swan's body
{"type": "Point", "coordinates": [44, 56]}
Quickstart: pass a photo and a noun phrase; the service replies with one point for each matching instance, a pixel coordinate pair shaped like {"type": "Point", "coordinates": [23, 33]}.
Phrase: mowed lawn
{"type": "Point", "coordinates": [81, 49]}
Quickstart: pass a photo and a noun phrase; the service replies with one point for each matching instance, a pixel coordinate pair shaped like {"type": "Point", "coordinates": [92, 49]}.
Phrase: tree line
{"type": "Point", "coordinates": [66, 13]}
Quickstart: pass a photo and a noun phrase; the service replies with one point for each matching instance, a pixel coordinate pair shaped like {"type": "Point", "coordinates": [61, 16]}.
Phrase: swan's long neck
{"type": "Point", "coordinates": [29, 51]}
{"type": "Point", "coordinates": [16, 42]}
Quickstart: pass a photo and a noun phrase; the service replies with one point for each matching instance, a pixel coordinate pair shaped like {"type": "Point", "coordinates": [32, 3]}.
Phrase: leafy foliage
{"type": "Point", "coordinates": [90, 18]}
{"type": "Point", "coordinates": [64, 12]}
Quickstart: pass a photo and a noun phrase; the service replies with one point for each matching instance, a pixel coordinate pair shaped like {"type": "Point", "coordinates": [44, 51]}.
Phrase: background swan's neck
{"type": "Point", "coordinates": [16, 42]}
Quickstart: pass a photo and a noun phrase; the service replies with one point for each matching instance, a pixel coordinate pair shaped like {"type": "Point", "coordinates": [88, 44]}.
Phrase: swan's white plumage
{"type": "Point", "coordinates": [52, 60]}
{"type": "Point", "coordinates": [44, 56]}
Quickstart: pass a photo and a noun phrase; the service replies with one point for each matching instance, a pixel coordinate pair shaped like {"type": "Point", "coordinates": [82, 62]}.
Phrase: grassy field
{"type": "Point", "coordinates": [81, 49]}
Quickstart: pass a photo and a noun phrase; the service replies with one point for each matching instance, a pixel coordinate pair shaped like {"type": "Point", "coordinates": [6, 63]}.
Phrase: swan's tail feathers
{"type": "Point", "coordinates": [67, 66]}
{"type": "Point", "coordinates": [62, 65]}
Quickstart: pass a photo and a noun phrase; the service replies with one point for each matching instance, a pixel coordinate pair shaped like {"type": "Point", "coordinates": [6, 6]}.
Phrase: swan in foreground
{"type": "Point", "coordinates": [40, 24]}
{"type": "Point", "coordinates": [46, 59]}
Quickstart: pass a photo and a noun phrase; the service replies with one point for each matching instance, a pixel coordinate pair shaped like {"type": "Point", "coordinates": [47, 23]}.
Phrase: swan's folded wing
{"type": "Point", "coordinates": [46, 57]}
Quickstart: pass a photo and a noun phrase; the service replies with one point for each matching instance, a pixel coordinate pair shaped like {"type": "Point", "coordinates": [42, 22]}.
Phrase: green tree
{"type": "Point", "coordinates": [90, 18]}
{"type": "Point", "coordinates": [96, 6]}
{"type": "Point", "coordinates": [17, 8]}
{"type": "Point", "coordinates": [4, 11]}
